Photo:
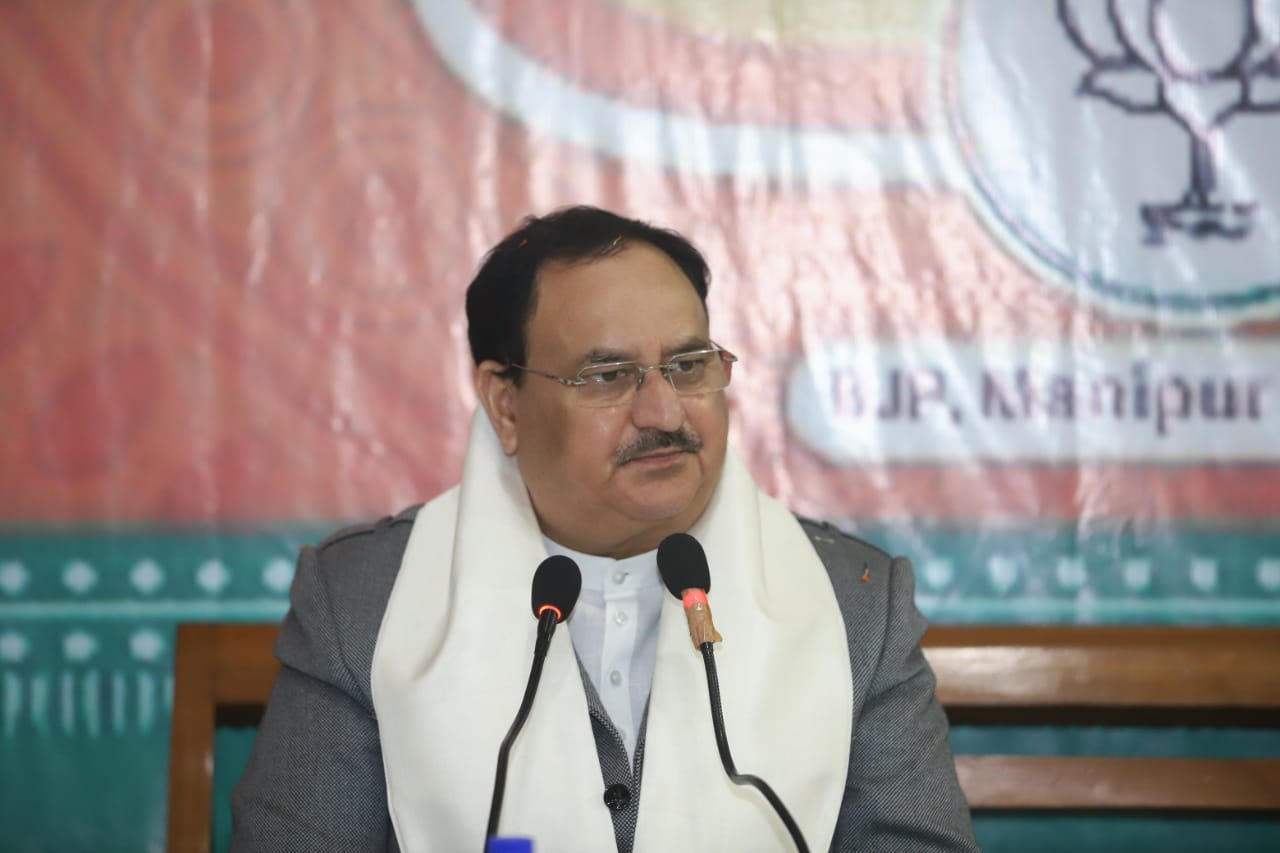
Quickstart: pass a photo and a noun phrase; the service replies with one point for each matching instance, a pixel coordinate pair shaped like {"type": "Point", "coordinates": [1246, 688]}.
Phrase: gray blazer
{"type": "Point", "coordinates": [315, 778]}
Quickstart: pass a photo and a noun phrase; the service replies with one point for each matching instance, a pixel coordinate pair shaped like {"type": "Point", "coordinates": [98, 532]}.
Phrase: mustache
{"type": "Point", "coordinates": [650, 440]}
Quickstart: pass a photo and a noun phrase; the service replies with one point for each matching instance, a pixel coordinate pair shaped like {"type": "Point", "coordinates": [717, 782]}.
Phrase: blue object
{"type": "Point", "coordinates": [508, 845]}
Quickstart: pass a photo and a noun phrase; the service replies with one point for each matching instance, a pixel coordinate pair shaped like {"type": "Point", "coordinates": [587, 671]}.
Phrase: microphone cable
{"type": "Point", "coordinates": [722, 743]}
{"type": "Point", "coordinates": [556, 585]}
{"type": "Point", "coordinates": [683, 566]}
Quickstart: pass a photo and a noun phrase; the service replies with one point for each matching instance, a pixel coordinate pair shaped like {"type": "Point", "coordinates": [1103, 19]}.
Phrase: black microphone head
{"type": "Point", "coordinates": [556, 583]}
{"type": "Point", "coordinates": [683, 564]}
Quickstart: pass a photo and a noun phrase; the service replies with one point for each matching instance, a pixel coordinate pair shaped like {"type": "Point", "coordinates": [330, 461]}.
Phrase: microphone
{"type": "Point", "coordinates": [556, 584]}
{"type": "Point", "coordinates": [683, 566]}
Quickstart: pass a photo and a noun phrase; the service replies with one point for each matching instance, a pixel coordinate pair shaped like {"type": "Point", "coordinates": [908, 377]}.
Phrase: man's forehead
{"type": "Point", "coordinates": [606, 354]}
{"type": "Point", "coordinates": [635, 304]}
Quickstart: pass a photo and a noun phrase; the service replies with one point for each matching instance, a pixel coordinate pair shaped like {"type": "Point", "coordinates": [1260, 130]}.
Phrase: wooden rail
{"type": "Point", "coordinates": [1174, 676]}
{"type": "Point", "coordinates": [218, 668]}
{"type": "Point", "coordinates": [987, 675]}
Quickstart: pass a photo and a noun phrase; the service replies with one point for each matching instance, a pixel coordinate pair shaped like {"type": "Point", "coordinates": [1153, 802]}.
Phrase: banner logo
{"type": "Point", "coordinates": [1138, 63]}
{"type": "Point", "coordinates": [1124, 147]}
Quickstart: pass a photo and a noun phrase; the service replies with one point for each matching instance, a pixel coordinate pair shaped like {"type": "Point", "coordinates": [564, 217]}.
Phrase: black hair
{"type": "Point", "coordinates": [502, 296]}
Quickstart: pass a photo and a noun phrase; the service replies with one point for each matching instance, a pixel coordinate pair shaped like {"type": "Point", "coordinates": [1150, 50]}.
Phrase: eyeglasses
{"type": "Point", "coordinates": [615, 383]}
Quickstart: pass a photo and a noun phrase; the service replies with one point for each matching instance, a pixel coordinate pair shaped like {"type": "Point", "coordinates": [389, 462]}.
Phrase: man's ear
{"type": "Point", "coordinates": [498, 396]}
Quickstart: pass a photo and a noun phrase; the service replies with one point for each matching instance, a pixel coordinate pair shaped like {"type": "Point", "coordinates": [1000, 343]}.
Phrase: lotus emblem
{"type": "Point", "coordinates": [1198, 64]}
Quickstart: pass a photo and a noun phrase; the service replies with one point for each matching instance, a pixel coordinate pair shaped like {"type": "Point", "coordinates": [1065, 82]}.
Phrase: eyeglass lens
{"type": "Point", "coordinates": [695, 373]}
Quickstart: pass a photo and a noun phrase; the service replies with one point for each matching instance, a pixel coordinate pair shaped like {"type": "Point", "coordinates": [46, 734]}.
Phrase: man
{"type": "Point", "coordinates": [603, 429]}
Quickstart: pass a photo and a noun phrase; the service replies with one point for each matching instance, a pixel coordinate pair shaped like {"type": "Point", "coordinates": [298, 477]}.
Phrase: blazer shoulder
{"type": "Point", "coordinates": [339, 594]}
{"type": "Point", "coordinates": [392, 526]}
{"type": "Point", "coordinates": [355, 568]}
{"type": "Point", "coordinates": [834, 544]}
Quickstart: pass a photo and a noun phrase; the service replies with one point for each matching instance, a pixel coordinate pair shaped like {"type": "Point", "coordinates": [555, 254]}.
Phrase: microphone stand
{"type": "Point", "coordinates": [722, 743]}
{"type": "Point", "coordinates": [546, 627]}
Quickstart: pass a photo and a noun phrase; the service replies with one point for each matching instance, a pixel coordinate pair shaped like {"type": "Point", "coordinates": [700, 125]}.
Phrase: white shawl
{"type": "Point", "coordinates": [453, 655]}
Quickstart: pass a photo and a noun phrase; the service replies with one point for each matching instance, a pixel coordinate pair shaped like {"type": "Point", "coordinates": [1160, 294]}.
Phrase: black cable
{"type": "Point", "coordinates": [722, 742]}
{"type": "Point", "coordinates": [546, 625]}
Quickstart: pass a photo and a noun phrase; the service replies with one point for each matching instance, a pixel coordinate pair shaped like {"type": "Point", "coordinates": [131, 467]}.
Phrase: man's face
{"type": "Point", "coordinates": [599, 480]}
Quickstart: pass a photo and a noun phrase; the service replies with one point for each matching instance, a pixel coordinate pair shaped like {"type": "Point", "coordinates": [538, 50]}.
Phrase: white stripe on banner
{"type": "Point", "coordinates": [560, 109]}
{"type": "Point", "coordinates": [118, 702]}
{"type": "Point", "coordinates": [265, 610]}
{"type": "Point", "coordinates": [40, 704]}
{"type": "Point", "coordinates": [89, 687]}
{"type": "Point", "coordinates": [146, 701]}
{"type": "Point", "coordinates": [12, 703]}
{"type": "Point", "coordinates": [67, 703]}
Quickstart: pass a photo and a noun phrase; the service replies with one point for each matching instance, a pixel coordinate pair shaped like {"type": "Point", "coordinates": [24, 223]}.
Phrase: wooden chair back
{"type": "Point", "coordinates": [987, 675]}
{"type": "Point", "coordinates": [222, 673]}
{"type": "Point", "coordinates": [1124, 676]}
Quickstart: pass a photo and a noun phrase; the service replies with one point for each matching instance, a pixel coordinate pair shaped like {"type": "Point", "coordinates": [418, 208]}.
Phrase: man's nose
{"type": "Point", "coordinates": [656, 403]}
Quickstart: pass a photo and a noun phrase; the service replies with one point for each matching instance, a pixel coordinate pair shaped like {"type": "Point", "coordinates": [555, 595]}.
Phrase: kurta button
{"type": "Point", "coordinates": [617, 797]}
